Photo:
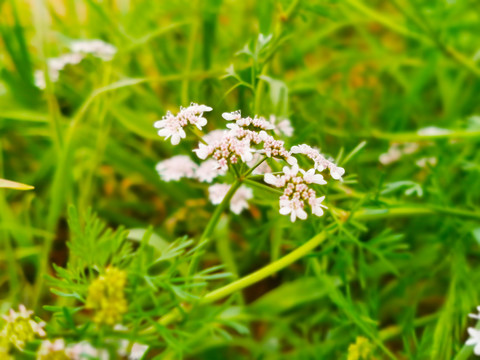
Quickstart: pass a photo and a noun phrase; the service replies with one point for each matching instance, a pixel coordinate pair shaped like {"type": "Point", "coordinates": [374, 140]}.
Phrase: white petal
{"type": "Point", "coordinates": [301, 214]}
{"type": "Point", "coordinates": [476, 349]}
{"type": "Point", "coordinates": [270, 179]}
{"type": "Point", "coordinates": [229, 116]}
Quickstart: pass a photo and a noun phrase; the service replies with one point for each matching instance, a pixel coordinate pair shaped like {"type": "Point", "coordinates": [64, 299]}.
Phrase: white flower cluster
{"type": "Point", "coordinates": [246, 141]}
{"type": "Point", "coordinates": [396, 151]}
{"type": "Point", "coordinates": [57, 349]}
{"type": "Point", "coordinates": [298, 192]}
{"type": "Point", "coordinates": [217, 192]}
{"type": "Point", "coordinates": [172, 126]}
{"type": "Point", "coordinates": [80, 49]}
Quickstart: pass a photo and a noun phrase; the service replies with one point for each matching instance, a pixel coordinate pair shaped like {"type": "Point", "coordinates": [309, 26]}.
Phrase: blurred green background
{"type": "Point", "coordinates": [343, 72]}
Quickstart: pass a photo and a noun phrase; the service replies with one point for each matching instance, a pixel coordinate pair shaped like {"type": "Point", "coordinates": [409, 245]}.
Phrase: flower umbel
{"type": "Point", "coordinates": [172, 126]}
{"type": "Point", "coordinates": [106, 296]}
{"type": "Point", "coordinates": [20, 328]}
{"type": "Point", "coordinates": [297, 191]}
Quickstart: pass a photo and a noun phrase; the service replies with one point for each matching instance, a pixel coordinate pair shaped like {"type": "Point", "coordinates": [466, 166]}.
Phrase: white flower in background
{"type": "Point", "coordinates": [52, 350]}
{"type": "Point", "coordinates": [137, 350]}
{"type": "Point", "coordinates": [54, 67]}
{"type": "Point", "coordinates": [177, 167]}
{"type": "Point", "coordinates": [85, 351]}
{"type": "Point", "coordinates": [297, 193]}
{"type": "Point", "coordinates": [80, 49]}
{"type": "Point", "coordinates": [282, 126]}
{"type": "Point", "coordinates": [239, 201]}
{"type": "Point", "coordinates": [423, 162]}
{"type": "Point", "coordinates": [321, 163]}
{"type": "Point", "coordinates": [208, 170]}
{"type": "Point", "coordinates": [173, 125]}
{"type": "Point", "coordinates": [39, 79]}
{"type": "Point", "coordinates": [396, 151]}
{"type": "Point", "coordinates": [97, 48]}
{"type": "Point", "coordinates": [217, 192]}
{"type": "Point", "coordinates": [432, 131]}
{"type": "Point", "coordinates": [474, 340]}
{"type": "Point", "coordinates": [261, 169]}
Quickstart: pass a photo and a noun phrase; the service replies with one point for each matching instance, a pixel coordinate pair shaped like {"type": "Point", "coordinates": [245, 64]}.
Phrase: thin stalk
{"type": "Point", "coordinates": [252, 278]}
{"type": "Point", "coordinates": [205, 237]}
{"type": "Point", "coordinates": [190, 56]}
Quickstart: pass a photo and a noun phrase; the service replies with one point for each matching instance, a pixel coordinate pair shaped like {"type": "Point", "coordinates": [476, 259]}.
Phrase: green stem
{"type": "Point", "coordinates": [205, 238]}
{"type": "Point", "coordinates": [425, 209]}
{"type": "Point", "coordinates": [265, 271]}
{"type": "Point", "coordinates": [252, 278]}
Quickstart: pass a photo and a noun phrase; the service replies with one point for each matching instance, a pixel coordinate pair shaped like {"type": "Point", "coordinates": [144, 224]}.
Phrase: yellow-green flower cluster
{"type": "Point", "coordinates": [360, 350]}
{"type": "Point", "coordinates": [106, 296]}
{"type": "Point", "coordinates": [19, 329]}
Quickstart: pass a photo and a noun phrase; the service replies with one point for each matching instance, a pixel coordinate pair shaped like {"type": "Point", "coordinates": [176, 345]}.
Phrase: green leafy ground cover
{"type": "Point", "coordinates": [389, 89]}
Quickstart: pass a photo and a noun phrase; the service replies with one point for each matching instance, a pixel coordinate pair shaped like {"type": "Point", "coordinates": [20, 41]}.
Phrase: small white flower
{"type": "Point", "coordinates": [177, 167]}
{"type": "Point", "coordinates": [423, 162]}
{"type": "Point", "coordinates": [336, 172]}
{"type": "Point", "coordinates": [208, 170]}
{"type": "Point", "coordinates": [474, 340]}
{"type": "Point", "coordinates": [172, 125]}
{"type": "Point", "coordinates": [282, 126]}
{"type": "Point", "coordinates": [261, 169]}
{"type": "Point", "coordinates": [84, 350]}
{"type": "Point", "coordinates": [317, 206]}
{"type": "Point", "coordinates": [293, 207]}
{"type": "Point", "coordinates": [97, 48]}
{"type": "Point", "coordinates": [235, 115]}
{"type": "Point", "coordinates": [50, 350]}
{"type": "Point", "coordinates": [311, 178]}
{"type": "Point", "coordinates": [240, 199]}
{"type": "Point", "coordinates": [217, 192]}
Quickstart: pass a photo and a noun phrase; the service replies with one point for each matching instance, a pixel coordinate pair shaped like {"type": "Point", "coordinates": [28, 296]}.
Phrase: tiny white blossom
{"type": "Point", "coordinates": [282, 126]}
{"type": "Point", "coordinates": [50, 350]}
{"type": "Point", "coordinates": [235, 115]}
{"type": "Point", "coordinates": [311, 178]}
{"type": "Point", "coordinates": [321, 163]}
{"type": "Point", "coordinates": [316, 205]}
{"type": "Point", "coordinates": [474, 340]}
{"type": "Point", "coordinates": [423, 162]}
{"type": "Point", "coordinates": [84, 350]}
{"type": "Point", "coordinates": [294, 207]}
{"type": "Point", "coordinates": [177, 167]}
{"type": "Point", "coordinates": [173, 125]}
{"type": "Point", "coordinates": [97, 48]}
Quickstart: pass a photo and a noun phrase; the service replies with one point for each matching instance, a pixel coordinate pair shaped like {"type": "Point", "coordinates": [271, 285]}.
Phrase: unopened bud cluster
{"type": "Point", "coordinates": [106, 296]}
